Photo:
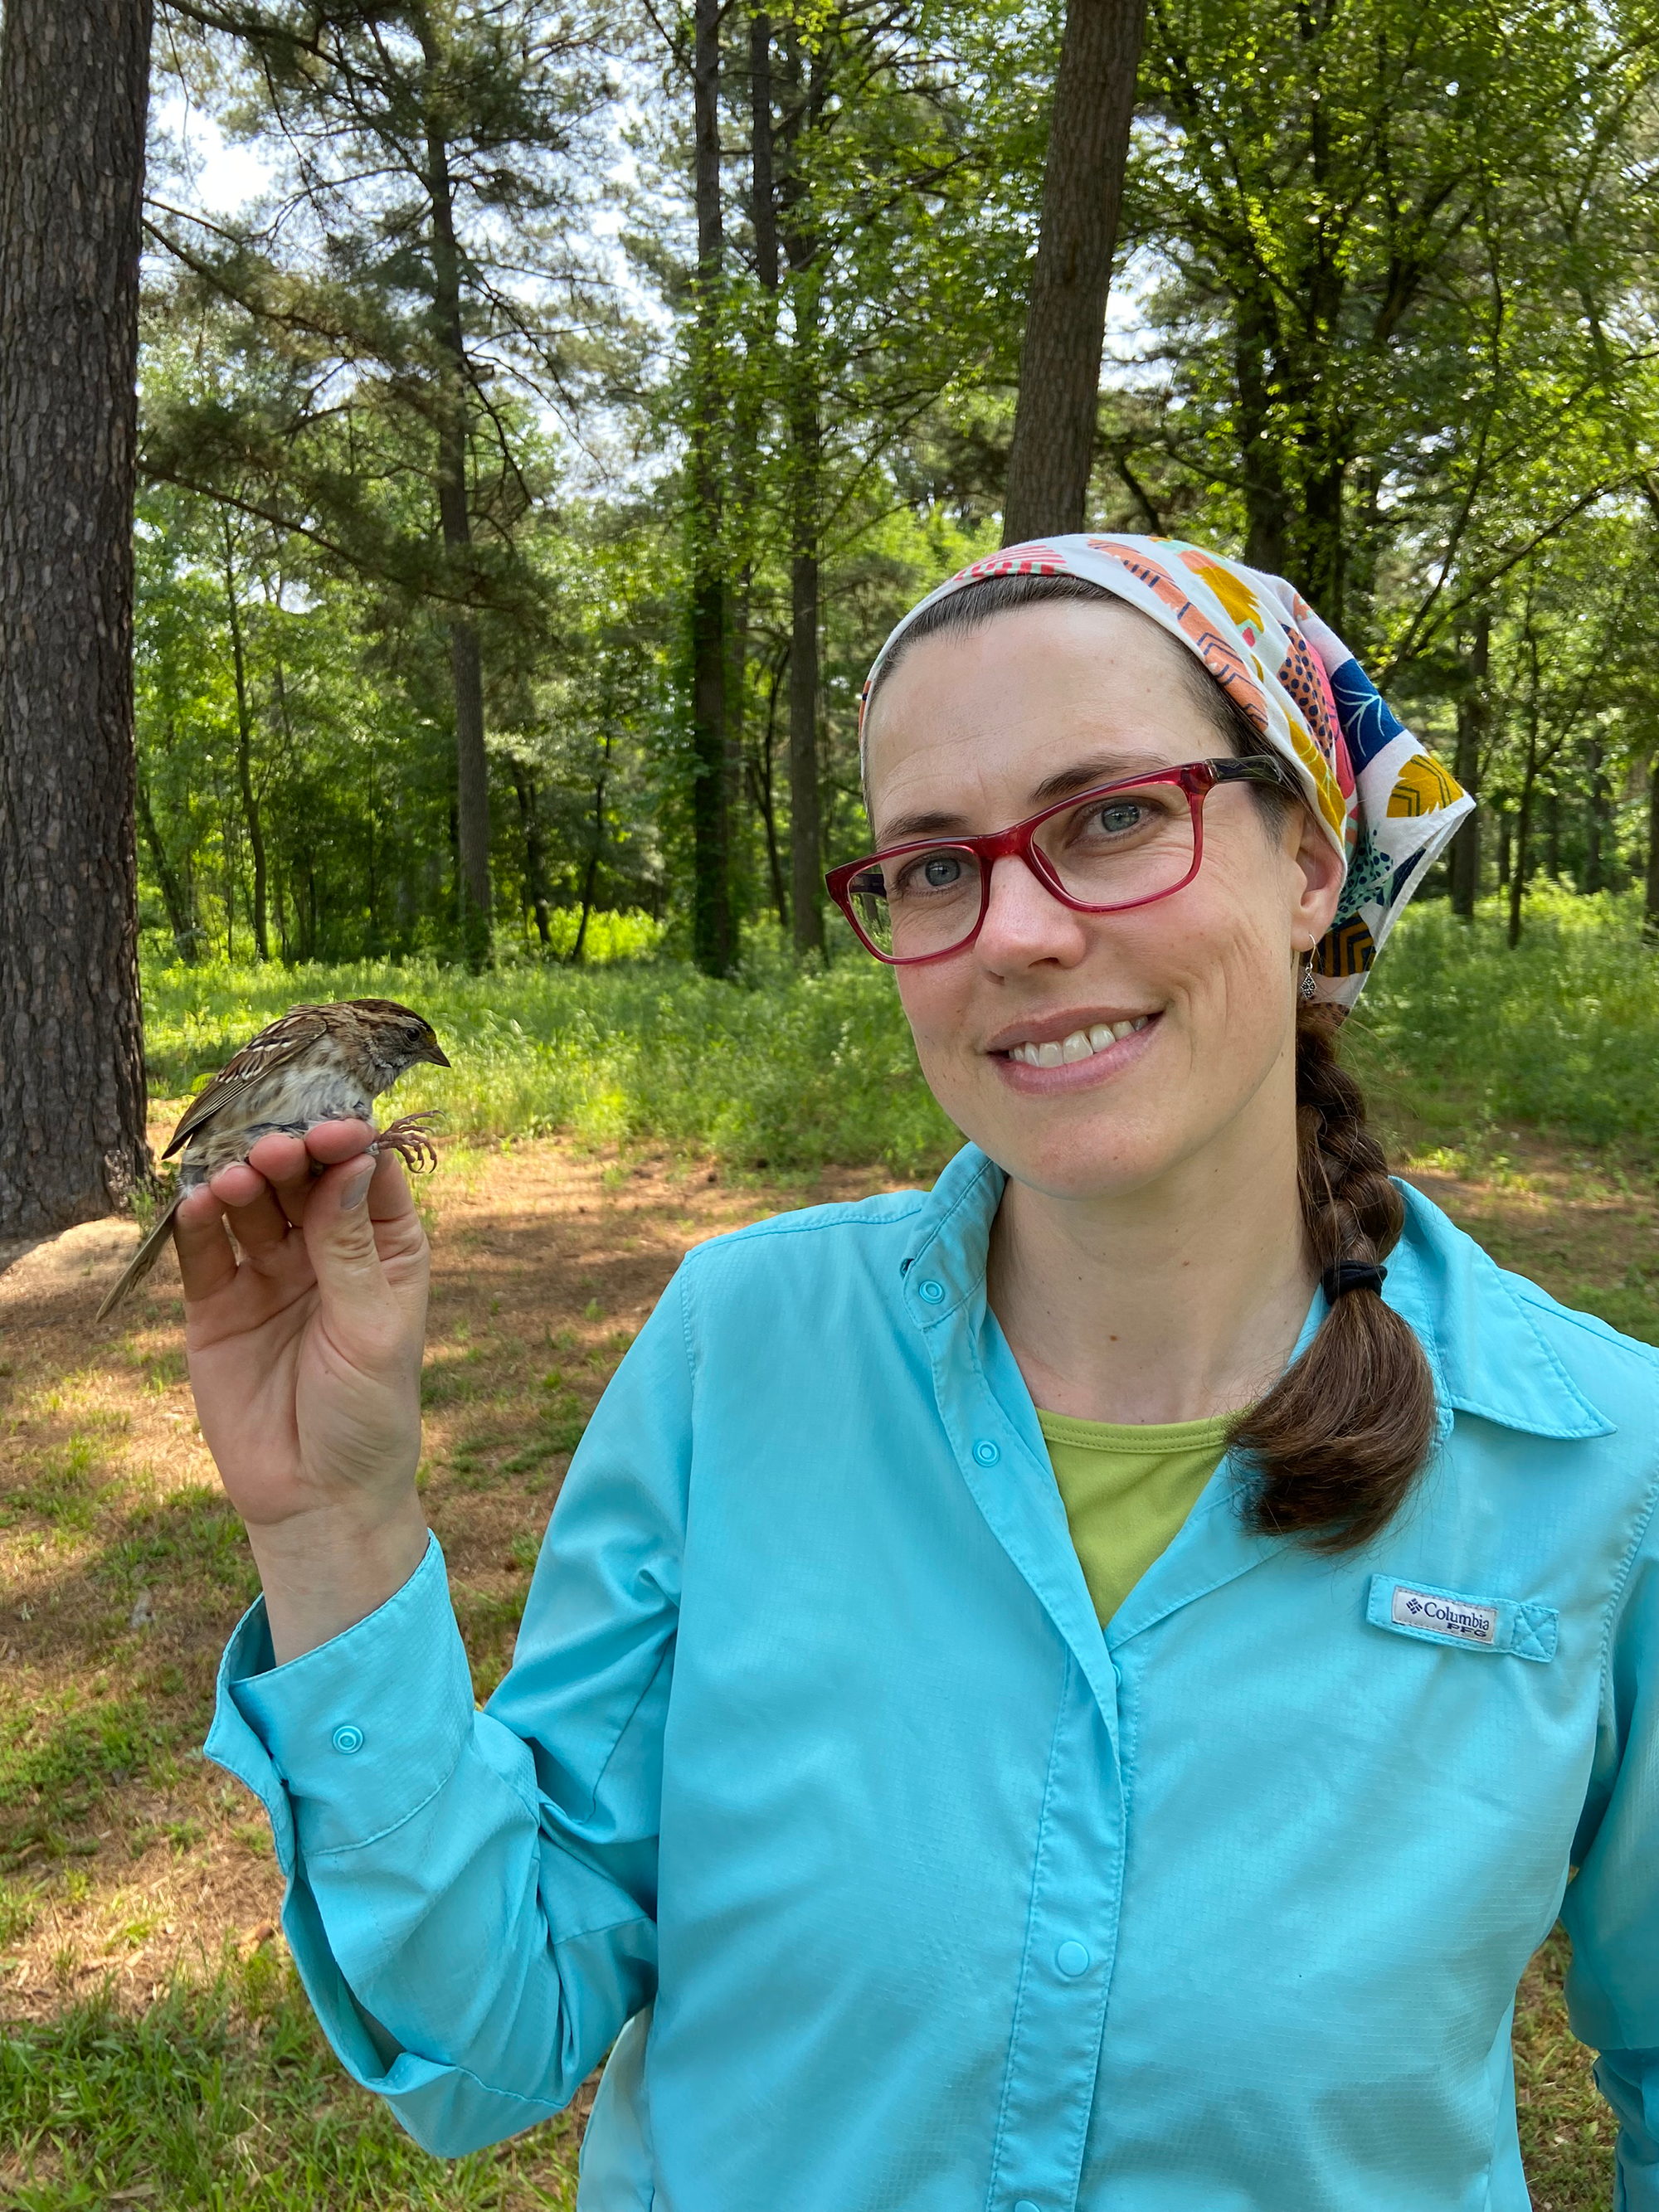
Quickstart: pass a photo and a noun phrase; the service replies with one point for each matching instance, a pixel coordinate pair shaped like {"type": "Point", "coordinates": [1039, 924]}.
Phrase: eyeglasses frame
{"type": "Point", "coordinates": [1197, 780]}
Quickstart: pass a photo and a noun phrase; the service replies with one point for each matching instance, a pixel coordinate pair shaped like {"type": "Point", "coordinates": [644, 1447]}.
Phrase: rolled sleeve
{"type": "Point", "coordinates": [363, 1730]}
{"type": "Point", "coordinates": [471, 1895]}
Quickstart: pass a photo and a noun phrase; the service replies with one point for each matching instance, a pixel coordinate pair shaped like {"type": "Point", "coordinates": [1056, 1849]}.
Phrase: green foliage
{"type": "Point", "coordinates": [1561, 1032]}
{"type": "Point", "coordinates": [789, 1071]}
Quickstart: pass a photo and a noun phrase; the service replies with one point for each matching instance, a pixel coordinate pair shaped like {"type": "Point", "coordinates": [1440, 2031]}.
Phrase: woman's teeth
{"type": "Point", "coordinates": [1082, 1044]}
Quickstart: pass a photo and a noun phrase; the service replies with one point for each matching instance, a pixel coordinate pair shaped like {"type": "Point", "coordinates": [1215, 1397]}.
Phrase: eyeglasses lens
{"type": "Point", "coordinates": [1133, 845]}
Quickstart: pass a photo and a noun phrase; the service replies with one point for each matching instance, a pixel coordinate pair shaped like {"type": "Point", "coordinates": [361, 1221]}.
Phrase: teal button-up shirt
{"type": "Point", "coordinates": [817, 1788]}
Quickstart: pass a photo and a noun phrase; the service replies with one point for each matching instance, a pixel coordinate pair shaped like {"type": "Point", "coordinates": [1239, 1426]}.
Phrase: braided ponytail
{"type": "Point", "coordinates": [1338, 1440]}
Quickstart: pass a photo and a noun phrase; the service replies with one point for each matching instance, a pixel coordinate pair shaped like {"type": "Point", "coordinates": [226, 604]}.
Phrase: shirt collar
{"type": "Point", "coordinates": [1486, 1356]}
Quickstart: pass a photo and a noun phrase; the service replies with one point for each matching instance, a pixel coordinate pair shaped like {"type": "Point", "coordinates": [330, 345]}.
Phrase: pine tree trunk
{"type": "Point", "coordinates": [1597, 819]}
{"type": "Point", "coordinates": [1266, 497]}
{"type": "Point", "coordinates": [809, 83]}
{"type": "Point", "coordinates": [1058, 401]}
{"type": "Point", "coordinates": [73, 87]}
{"type": "Point", "coordinates": [256, 835]}
{"type": "Point", "coordinates": [712, 942]}
{"type": "Point", "coordinates": [454, 515]}
{"type": "Point", "coordinates": [805, 832]}
{"type": "Point", "coordinates": [535, 851]}
{"type": "Point", "coordinates": [1472, 711]}
{"type": "Point", "coordinates": [173, 894]}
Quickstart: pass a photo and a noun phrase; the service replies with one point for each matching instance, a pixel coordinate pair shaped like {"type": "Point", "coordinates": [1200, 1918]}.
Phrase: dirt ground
{"type": "Point", "coordinates": [123, 1852]}
{"type": "Point", "coordinates": [123, 1855]}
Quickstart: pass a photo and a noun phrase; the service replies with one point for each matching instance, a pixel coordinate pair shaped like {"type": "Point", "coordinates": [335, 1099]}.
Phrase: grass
{"type": "Point", "coordinates": [219, 2092]}
{"type": "Point", "coordinates": [780, 1072]}
{"type": "Point", "coordinates": [223, 2093]}
{"type": "Point", "coordinates": [785, 1071]}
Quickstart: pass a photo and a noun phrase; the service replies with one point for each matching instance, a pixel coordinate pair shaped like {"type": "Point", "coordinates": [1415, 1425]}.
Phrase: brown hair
{"type": "Point", "coordinates": [1337, 1443]}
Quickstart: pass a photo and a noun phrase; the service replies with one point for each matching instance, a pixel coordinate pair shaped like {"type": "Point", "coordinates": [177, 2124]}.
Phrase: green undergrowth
{"type": "Point", "coordinates": [1466, 1038]}
{"type": "Point", "coordinates": [787, 1070]}
{"type": "Point", "coordinates": [784, 1071]}
{"type": "Point", "coordinates": [222, 2093]}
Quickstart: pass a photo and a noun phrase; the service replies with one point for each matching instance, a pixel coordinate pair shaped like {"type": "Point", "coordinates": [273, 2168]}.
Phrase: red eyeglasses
{"type": "Point", "coordinates": [1120, 845]}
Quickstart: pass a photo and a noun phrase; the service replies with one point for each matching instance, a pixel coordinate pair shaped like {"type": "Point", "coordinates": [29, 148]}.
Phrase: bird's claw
{"type": "Point", "coordinates": [407, 1138]}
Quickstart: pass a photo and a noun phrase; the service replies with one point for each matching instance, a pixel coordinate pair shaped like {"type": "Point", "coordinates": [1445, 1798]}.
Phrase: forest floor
{"type": "Point", "coordinates": [153, 2045]}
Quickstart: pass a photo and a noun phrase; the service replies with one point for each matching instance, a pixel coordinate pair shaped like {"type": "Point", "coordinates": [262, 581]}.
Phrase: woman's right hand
{"type": "Point", "coordinates": [305, 1357]}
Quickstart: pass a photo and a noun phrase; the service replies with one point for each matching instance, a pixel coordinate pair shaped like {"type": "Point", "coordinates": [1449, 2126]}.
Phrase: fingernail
{"type": "Point", "coordinates": [355, 1191]}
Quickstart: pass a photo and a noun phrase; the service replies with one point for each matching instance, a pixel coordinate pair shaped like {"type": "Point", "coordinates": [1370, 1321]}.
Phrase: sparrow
{"type": "Point", "coordinates": [316, 1064]}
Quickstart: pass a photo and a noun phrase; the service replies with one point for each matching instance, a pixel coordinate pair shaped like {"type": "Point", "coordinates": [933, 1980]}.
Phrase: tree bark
{"type": "Point", "coordinates": [1650, 900]}
{"type": "Point", "coordinates": [73, 87]}
{"type": "Point", "coordinates": [712, 942]}
{"type": "Point", "coordinates": [1597, 819]}
{"type": "Point", "coordinates": [763, 204]}
{"type": "Point", "coordinates": [174, 896]}
{"type": "Point", "coordinates": [806, 833]}
{"type": "Point", "coordinates": [1522, 857]}
{"type": "Point", "coordinates": [762, 792]}
{"type": "Point", "coordinates": [454, 515]}
{"type": "Point", "coordinates": [806, 458]}
{"type": "Point", "coordinates": [1055, 417]}
{"type": "Point", "coordinates": [244, 745]}
{"type": "Point", "coordinates": [535, 851]}
{"type": "Point", "coordinates": [1523, 862]}
{"type": "Point", "coordinates": [809, 83]}
{"type": "Point", "coordinates": [1474, 712]}
{"type": "Point", "coordinates": [590, 877]}
{"type": "Point", "coordinates": [1266, 497]}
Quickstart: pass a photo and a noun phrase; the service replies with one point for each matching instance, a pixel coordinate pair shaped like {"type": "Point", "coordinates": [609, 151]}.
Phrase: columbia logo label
{"type": "Point", "coordinates": [1461, 1618]}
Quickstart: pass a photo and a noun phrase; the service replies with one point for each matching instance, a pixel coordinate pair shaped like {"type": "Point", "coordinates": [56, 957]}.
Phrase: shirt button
{"type": "Point", "coordinates": [1025, 2205]}
{"type": "Point", "coordinates": [933, 1292]}
{"type": "Point", "coordinates": [347, 1738]}
{"type": "Point", "coordinates": [986, 1452]}
{"type": "Point", "coordinates": [1072, 1960]}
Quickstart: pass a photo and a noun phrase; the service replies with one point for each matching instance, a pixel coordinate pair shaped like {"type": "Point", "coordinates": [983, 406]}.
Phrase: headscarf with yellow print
{"type": "Point", "coordinates": [1385, 801]}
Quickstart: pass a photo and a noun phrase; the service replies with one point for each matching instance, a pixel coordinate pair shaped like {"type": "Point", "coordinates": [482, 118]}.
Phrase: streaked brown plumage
{"type": "Point", "coordinates": [316, 1064]}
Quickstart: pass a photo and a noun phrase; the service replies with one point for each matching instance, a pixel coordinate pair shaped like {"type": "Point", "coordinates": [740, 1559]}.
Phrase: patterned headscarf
{"type": "Point", "coordinates": [1385, 801]}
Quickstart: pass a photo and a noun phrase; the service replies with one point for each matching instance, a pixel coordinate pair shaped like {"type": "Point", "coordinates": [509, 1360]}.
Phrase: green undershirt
{"type": "Point", "coordinates": [1126, 1489]}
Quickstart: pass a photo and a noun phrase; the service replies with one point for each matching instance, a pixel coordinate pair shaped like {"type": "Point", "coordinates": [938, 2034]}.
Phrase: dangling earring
{"type": "Point", "coordinates": [1308, 984]}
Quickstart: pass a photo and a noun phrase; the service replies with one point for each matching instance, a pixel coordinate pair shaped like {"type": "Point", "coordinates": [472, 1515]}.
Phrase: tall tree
{"type": "Point", "coordinates": [1059, 403]}
{"type": "Point", "coordinates": [443, 91]}
{"type": "Point", "coordinates": [422, 257]}
{"type": "Point", "coordinates": [713, 941]}
{"type": "Point", "coordinates": [1473, 716]}
{"type": "Point", "coordinates": [73, 91]}
{"type": "Point", "coordinates": [806, 78]}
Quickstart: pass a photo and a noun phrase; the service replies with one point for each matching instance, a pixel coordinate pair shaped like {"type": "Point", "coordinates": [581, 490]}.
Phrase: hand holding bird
{"type": "Point", "coordinates": [315, 1063]}
{"type": "Point", "coordinates": [304, 1338]}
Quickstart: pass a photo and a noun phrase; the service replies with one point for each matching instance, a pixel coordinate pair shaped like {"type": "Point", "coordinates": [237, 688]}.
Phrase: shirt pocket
{"type": "Point", "coordinates": [1524, 1628]}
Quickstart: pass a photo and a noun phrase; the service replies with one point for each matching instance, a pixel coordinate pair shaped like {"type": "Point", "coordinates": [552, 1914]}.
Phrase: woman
{"type": "Point", "coordinates": [1080, 1688]}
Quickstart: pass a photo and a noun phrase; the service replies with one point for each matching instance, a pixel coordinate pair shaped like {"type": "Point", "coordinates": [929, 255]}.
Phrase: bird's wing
{"type": "Point", "coordinates": [274, 1048]}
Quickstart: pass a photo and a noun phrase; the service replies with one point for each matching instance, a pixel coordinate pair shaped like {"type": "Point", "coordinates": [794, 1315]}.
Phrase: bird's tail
{"type": "Point", "coordinates": [145, 1258]}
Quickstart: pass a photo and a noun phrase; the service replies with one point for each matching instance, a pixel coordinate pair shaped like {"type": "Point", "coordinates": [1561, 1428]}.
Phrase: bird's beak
{"type": "Point", "coordinates": [434, 1052]}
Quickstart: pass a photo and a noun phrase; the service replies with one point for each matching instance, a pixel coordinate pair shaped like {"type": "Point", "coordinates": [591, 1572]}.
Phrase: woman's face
{"type": "Point", "coordinates": [975, 730]}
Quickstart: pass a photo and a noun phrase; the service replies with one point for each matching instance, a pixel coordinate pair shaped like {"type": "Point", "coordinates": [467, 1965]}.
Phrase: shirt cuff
{"type": "Point", "coordinates": [348, 1740]}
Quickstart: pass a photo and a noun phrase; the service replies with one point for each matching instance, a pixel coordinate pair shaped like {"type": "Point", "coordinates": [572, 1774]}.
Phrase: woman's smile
{"type": "Point", "coordinates": [1046, 1056]}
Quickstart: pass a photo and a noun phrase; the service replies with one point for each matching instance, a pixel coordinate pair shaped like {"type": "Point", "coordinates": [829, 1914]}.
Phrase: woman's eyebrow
{"type": "Point", "coordinates": [1105, 768]}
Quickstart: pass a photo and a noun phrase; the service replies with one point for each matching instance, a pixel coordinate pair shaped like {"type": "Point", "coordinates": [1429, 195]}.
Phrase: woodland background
{"type": "Point", "coordinates": [543, 413]}
{"type": "Point", "coordinates": [511, 452]}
